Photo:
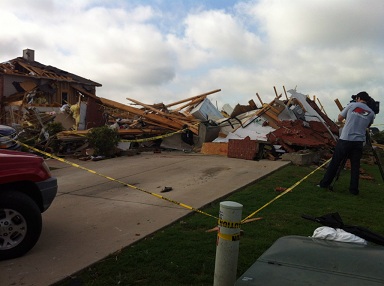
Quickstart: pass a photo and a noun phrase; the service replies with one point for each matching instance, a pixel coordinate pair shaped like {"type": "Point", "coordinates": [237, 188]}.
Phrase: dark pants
{"type": "Point", "coordinates": [345, 149]}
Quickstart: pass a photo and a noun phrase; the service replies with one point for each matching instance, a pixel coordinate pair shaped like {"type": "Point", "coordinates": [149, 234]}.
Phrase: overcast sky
{"type": "Point", "coordinates": [166, 50]}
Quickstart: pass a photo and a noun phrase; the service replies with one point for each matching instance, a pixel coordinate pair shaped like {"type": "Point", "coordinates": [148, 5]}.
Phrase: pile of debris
{"type": "Point", "coordinates": [293, 125]}
{"type": "Point", "coordinates": [195, 124]}
{"type": "Point", "coordinates": [149, 120]}
{"type": "Point", "coordinates": [35, 95]}
{"type": "Point", "coordinates": [248, 132]}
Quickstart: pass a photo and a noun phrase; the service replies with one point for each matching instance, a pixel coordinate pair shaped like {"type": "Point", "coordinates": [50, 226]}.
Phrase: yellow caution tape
{"type": "Point", "coordinates": [285, 192]}
{"type": "Point", "coordinates": [140, 140]}
{"type": "Point", "coordinates": [229, 224]}
{"type": "Point", "coordinates": [153, 138]}
{"type": "Point", "coordinates": [118, 181]}
{"type": "Point", "coordinates": [230, 237]}
{"type": "Point", "coordinates": [158, 137]}
{"type": "Point", "coordinates": [221, 222]}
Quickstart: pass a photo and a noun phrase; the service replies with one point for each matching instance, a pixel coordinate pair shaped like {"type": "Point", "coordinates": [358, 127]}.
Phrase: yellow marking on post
{"type": "Point", "coordinates": [230, 237]}
{"type": "Point", "coordinates": [229, 224]}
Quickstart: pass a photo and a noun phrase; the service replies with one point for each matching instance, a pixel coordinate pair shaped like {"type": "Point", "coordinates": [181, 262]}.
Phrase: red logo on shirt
{"type": "Point", "coordinates": [361, 111]}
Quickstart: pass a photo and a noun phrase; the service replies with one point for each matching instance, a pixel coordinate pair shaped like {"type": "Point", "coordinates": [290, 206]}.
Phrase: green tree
{"type": "Point", "coordinates": [379, 137]}
{"type": "Point", "coordinates": [103, 140]}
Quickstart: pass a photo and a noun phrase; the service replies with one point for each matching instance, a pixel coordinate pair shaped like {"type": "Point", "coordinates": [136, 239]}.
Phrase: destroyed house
{"type": "Point", "coordinates": [26, 83]}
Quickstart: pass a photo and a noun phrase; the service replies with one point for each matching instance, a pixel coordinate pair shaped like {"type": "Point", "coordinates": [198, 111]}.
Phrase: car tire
{"type": "Point", "coordinates": [20, 224]}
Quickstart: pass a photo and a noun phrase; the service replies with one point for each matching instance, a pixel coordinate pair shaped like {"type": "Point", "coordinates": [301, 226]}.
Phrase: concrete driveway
{"type": "Point", "coordinates": [93, 217]}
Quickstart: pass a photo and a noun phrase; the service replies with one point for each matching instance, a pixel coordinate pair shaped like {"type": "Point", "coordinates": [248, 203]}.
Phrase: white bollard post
{"type": "Point", "coordinates": [227, 244]}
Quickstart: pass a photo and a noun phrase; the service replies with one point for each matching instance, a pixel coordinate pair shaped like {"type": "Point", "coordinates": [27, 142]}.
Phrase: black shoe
{"type": "Point", "coordinates": [329, 188]}
{"type": "Point", "coordinates": [355, 193]}
{"type": "Point", "coordinates": [322, 186]}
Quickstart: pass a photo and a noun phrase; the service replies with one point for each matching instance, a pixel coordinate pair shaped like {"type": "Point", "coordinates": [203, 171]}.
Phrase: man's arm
{"type": "Point", "coordinates": [343, 114]}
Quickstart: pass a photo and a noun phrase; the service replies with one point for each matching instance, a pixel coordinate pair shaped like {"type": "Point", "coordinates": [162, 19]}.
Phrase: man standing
{"type": "Point", "coordinates": [358, 117]}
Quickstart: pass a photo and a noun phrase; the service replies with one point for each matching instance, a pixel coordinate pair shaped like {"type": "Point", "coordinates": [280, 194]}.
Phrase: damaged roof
{"type": "Point", "coordinates": [30, 68]}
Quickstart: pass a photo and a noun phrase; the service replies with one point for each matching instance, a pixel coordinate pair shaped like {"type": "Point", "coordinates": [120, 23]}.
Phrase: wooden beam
{"type": "Point", "coordinates": [252, 104]}
{"type": "Point", "coordinates": [131, 131]}
{"type": "Point", "coordinates": [190, 104]}
{"type": "Point", "coordinates": [258, 96]}
{"type": "Point", "coordinates": [155, 118]}
{"type": "Point", "coordinates": [339, 104]}
{"type": "Point", "coordinates": [275, 91]}
{"type": "Point", "coordinates": [176, 118]}
{"type": "Point", "coordinates": [285, 92]}
{"type": "Point", "coordinates": [322, 107]}
{"type": "Point", "coordinates": [193, 97]}
{"type": "Point", "coordinates": [155, 109]}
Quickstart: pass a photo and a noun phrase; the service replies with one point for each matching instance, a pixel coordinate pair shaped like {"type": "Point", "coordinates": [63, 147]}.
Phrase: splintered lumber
{"type": "Point", "coordinates": [176, 118]}
{"type": "Point", "coordinates": [203, 96]}
{"type": "Point", "coordinates": [157, 111]}
{"type": "Point", "coordinates": [338, 104]}
{"type": "Point", "coordinates": [273, 109]}
{"type": "Point", "coordinates": [258, 96]}
{"type": "Point", "coordinates": [153, 117]}
{"type": "Point", "coordinates": [277, 96]}
{"type": "Point", "coordinates": [274, 88]}
{"type": "Point", "coordinates": [150, 118]}
{"type": "Point", "coordinates": [252, 104]}
{"type": "Point", "coordinates": [81, 134]}
{"type": "Point", "coordinates": [285, 92]}
{"type": "Point", "coordinates": [140, 131]}
{"type": "Point", "coordinates": [15, 103]}
{"type": "Point", "coordinates": [190, 105]}
{"type": "Point", "coordinates": [322, 107]}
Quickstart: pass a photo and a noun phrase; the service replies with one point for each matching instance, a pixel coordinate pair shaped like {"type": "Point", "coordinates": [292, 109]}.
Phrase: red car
{"type": "Point", "coordinates": [27, 189]}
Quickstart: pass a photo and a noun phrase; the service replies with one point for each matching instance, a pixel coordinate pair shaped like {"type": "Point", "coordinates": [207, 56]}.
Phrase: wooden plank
{"type": "Point", "coordinates": [191, 104]}
{"type": "Point", "coordinates": [176, 118]}
{"type": "Point", "coordinates": [285, 92]}
{"type": "Point", "coordinates": [139, 131]}
{"type": "Point", "coordinates": [15, 103]}
{"type": "Point", "coordinates": [322, 107]}
{"type": "Point", "coordinates": [252, 104]}
{"type": "Point", "coordinates": [215, 148]}
{"type": "Point", "coordinates": [84, 92]}
{"type": "Point", "coordinates": [193, 97]}
{"type": "Point", "coordinates": [133, 131]}
{"type": "Point", "coordinates": [155, 118]}
{"type": "Point", "coordinates": [275, 91]}
{"type": "Point", "coordinates": [339, 104]}
{"type": "Point", "coordinates": [258, 96]}
{"type": "Point", "coordinates": [172, 115]}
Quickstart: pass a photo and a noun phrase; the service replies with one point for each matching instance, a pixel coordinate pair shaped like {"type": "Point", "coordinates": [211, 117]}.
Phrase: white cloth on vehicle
{"type": "Point", "coordinates": [337, 234]}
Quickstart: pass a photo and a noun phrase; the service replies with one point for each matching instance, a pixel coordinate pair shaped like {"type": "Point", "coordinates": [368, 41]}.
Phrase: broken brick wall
{"type": "Point", "coordinates": [243, 149]}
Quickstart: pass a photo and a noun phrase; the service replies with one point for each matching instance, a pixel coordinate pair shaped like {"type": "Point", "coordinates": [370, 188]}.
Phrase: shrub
{"type": "Point", "coordinates": [103, 140]}
{"type": "Point", "coordinates": [53, 128]}
{"type": "Point", "coordinates": [379, 137]}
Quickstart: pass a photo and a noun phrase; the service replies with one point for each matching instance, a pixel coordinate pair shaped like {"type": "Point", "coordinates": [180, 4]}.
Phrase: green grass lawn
{"type": "Point", "coordinates": [184, 253]}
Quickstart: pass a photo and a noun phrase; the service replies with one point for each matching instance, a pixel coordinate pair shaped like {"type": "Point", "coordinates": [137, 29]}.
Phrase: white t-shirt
{"type": "Point", "coordinates": [358, 116]}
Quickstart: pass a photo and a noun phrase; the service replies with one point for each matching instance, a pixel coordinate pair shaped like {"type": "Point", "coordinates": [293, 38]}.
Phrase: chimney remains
{"type": "Point", "coordinates": [29, 55]}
